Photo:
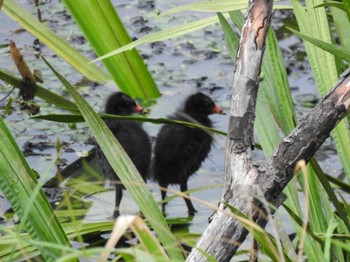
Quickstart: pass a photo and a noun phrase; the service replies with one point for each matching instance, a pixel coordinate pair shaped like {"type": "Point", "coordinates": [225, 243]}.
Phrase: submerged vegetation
{"type": "Point", "coordinates": [316, 202]}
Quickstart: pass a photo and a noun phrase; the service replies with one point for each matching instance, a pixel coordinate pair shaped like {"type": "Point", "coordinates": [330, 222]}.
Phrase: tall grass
{"type": "Point", "coordinates": [319, 214]}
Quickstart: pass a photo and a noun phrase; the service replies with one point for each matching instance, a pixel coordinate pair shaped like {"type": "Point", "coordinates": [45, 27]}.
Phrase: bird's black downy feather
{"type": "Point", "coordinates": [179, 150]}
{"type": "Point", "coordinates": [131, 136]}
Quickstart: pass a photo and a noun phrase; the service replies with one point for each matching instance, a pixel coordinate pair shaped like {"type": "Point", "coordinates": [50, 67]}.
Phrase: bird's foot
{"type": "Point", "coordinates": [192, 212]}
{"type": "Point", "coordinates": [116, 214]}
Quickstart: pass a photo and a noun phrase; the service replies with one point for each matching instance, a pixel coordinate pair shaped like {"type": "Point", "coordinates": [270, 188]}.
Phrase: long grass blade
{"type": "Point", "coordinates": [209, 6]}
{"type": "Point", "coordinates": [325, 183]}
{"type": "Point", "coordinates": [41, 92]}
{"type": "Point", "coordinates": [299, 221]}
{"type": "Point", "coordinates": [79, 118]}
{"type": "Point", "coordinates": [102, 26]}
{"type": "Point", "coordinates": [60, 47]}
{"type": "Point", "coordinates": [143, 233]}
{"type": "Point", "coordinates": [163, 35]}
{"type": "Point", "coordinates": [267, 243]}
{"type": "Point", "coordinates": [313, 22]}
{"type": "Point", "coordinates": [125, 169]}
{"type": "Point", "coordinates": [215, 6]}
{"type": "Point", "coordinates": [331, 48]}
{"type": "Point", "coordinates": [20, 187]}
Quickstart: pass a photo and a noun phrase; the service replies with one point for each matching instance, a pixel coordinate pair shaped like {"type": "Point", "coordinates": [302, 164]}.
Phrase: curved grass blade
{"type": "Point", "coordinates": [126, 170]}
{"type": "Point", "coordinates": [15, 245]}
{"type": "Point", "coordinates": [325, 183]}
{"type": "Point", "coordinates": [341, 23]}
{"type": "Point", "coordinates": [299, 221]}
{"type": "Point", "coordinates": [210, 6]}
{"type": "Point", "coordinates": [267, 243]}
{"type": "Point", "coordinates": [163, 35]}
{"type": "Point", "coordinates": [338, 51]}
{"type": "Point", "coordinates": [143, 233]}
{"type": "Point", "coordinates": [336, 4]}
{"type": "Point", "coordinates": [313, 22]}
{"type": "Point", "coordinates": [193, 190]}
{"type": "Point", "coordinates": [19, 185]}
{"type": "Point", "coordinates": [102, 26]}
{"type": "Point", "coordinates": [232, 39]}
{"type": "Point", "coordinates": [59, 46]}
{"type": "Point", "coordinates": [276, 86]}
{"type": "Point", "coordinates": [342, 185]}
{"type": "Point", "coordinates": [41, 92]}
{"type": "Point", "coordinates": [215, 6]}
{"type": "Point", "coordinates": [79, 118]}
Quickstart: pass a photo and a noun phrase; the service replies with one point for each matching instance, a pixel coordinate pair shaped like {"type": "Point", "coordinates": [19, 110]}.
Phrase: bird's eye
{"type": "Point", "coordinates": [209, 102]}
{"type": "Point", "coordinates": [129, 103]}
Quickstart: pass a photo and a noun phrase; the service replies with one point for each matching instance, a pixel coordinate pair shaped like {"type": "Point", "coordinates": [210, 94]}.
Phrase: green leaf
{"type": "Point", "coordinates": [177, 30]}
{"type": "Point", "coordinates": [15, 245]}
{"type": "Point", "coordinates": [143, 233]}
{"type": "Point", "coordinates": [215, 6]}
{"type": "Point", "coordinates": [79, 118]}
{"type": "Point", "coordinates": [41, 92]}
{"type": "Point", "coordinates": [102, 26]}
{"type": "Point", "coordinates": [21, 189]}
{"type": "Point", "coordinates": [341, 23]}
{"type": "Point", "coordinates": [343, 186]}
{"type": "Point", "coordinates": [332, 4]}
{"type": "Point", "coordinates": [325, 183]}
{"type": "Point", "coordinates": [60, 47]}
{"type": "Point", "coordinates": [193, 190]}
{"type": "Point", "coordinates": [163, 35]}
{"type": "Point", "coordinates": [299, 221]}
{"type": "Point", "coordinates": [276, 87]}
{"type": "Point", "coordinates": [331, 48]}
{"type": "Point", "coordinates": [265, 126]}
{"type": "Point", "coordinates": [230, 36]}
{"type": "Point", "coordinates": [210, 6]}
{"type": "Point", "coordinates": [267, 243]}
{"type": "Point", "coordinates": [313, 22]}
{"type": "Point", "coordinates": [125, 169]}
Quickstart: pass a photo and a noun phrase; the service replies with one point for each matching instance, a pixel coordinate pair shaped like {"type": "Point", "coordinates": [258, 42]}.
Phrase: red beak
{"type": "Point", "coordinates": [218, 110]}
{"type": "Point", "coordinates": [140, 110]}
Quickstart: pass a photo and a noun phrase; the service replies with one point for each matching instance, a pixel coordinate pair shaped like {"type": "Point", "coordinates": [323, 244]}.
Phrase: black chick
{"type": "Point", "coordinates": [131, 136]}
{"type": "Point", "coordinates": [179, 150]}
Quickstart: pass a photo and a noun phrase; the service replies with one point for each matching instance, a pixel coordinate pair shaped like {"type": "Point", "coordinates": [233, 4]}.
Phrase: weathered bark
{"type": "Point", "coordinates": [244, 183]}
{"type": "Point", "coordinates": [224, 234]}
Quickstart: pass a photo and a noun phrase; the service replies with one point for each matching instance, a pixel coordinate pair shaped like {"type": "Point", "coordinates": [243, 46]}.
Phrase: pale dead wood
{"type": "Point", "coordinates": [218, 240]}
{"type": "Point", "coordinates": [245, 184]}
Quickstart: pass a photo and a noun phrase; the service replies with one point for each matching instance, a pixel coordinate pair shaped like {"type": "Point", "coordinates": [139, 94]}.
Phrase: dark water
{"type": "Point", "coordinates": [199, 61]}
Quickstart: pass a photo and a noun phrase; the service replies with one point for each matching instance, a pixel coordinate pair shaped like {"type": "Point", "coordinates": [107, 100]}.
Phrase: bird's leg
{"type": "Point", "coordinates": [191, 209]}
{"type": "Point", "coordinates": [118, 198]}
{"type": "Point", "coordinates": [163, 191]}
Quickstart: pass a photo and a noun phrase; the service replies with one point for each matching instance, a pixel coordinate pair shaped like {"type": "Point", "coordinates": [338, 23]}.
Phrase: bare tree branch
{"type": "Point", "coordinates": [245, 184]}
{"type": "Point", "coordinates": [218, 240]}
